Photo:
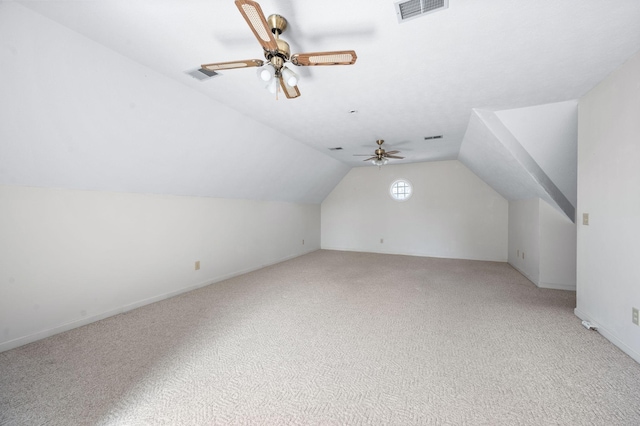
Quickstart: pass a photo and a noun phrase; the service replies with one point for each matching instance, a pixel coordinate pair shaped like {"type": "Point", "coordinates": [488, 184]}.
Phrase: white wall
{"type": "Point", "coordinates": [542, 244]}
{"type": "Point", "coordinates": [70, 257]}
{"type": "Point", "coordinates": [451, 214]}
{"type": "Point", "coordinates": [524, 237]}
{"type": "Point", "coordinates": [557, 249]}
{"type": "Point", "coordinates": [609, 191]}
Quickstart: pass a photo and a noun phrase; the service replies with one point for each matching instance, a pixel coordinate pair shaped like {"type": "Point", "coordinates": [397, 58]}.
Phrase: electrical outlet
{"type": "Point", "coordinates": [634, 316]}
{"type": "Point", "coordinates": [585, 219]}
{"type": "Point", "coordinates": [197, 265]}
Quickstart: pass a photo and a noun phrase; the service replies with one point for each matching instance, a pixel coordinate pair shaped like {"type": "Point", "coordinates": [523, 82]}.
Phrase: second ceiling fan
{"type": "Point", "coordinates": [380, 156]}
{"type": "Point", "coordinates": [277, 51]}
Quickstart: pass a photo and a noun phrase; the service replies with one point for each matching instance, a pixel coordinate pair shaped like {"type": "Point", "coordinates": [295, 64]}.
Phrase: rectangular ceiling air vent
{"type": "Point", "coordinates": [410, 9]}
{"type": "Point", "coordinates": [337, 148]}
{"type": "Point", "coordinates": [428, 138]}
{"type": "Point", "coordinates": [202, 74]}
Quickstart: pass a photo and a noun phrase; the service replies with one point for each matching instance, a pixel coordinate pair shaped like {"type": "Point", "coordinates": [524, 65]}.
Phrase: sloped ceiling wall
{"type": "Point", "coordinates": [411, 80]}
{"type": "Point", "coordinates": [549, 133]}
{"type": "Point", "coordinates": [78, 115]}
{"type": "Point", "coordinates": [526, 153]}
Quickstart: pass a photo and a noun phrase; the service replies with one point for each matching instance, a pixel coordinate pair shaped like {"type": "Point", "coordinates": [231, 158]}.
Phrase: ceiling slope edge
{"type": "Point", "coordinates": [491, 151]}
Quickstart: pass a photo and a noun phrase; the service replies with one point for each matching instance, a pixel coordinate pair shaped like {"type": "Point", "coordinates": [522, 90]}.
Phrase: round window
{"type": "Point", "coordinates": [401, 190]}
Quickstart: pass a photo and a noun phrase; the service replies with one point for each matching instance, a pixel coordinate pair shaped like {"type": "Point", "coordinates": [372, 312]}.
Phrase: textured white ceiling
{"type": "Point", "coordinates": [411, 80]}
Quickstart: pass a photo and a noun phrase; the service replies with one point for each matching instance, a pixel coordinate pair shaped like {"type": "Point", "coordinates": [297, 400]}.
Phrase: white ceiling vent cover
{"type": "Point", "coordinates": [410, 9]}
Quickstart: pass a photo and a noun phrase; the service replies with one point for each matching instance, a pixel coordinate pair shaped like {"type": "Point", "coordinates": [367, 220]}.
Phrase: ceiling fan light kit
{"type": "Point", "coordinates": [272, 86]}
{"type": "Point", "coordinates": [266, 72]}
{"type": "Point", "coordinates": [277, 52]}
{"type": "Point", "coordinates": [290, 77]}
{"type": "Point", "coordinates": [379, 161]}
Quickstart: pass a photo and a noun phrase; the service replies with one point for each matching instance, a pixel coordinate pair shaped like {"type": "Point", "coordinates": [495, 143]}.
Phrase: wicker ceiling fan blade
{"type": "Point", "coordinates": [393, 152]}
{"type": "Point", "coordinates": [289, 92]}
{"type": "Point", "coordinates": [394, 156]}
{"type": "Point", "coordinates": [277, 51]}
{"type": "Point", "coordinates": [254, 16]}
{"type": "Point", "coordinates": [340, 57]}
{"type": "Point", "coordinates": [372, 158]}
{"type": "Point", "coordinates": [217, 66]}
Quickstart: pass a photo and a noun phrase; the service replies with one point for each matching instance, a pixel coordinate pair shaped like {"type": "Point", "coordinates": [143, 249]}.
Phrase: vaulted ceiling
{"type": "Point", "coordinates": [423, 77]}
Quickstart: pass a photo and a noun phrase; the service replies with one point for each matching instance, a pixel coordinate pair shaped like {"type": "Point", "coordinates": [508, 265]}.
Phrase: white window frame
{"type": "Point", "coordinates": [408, 184]}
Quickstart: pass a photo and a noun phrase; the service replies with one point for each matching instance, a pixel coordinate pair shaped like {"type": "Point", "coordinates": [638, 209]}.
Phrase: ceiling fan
{"type": "Point", "coordinates": [381, 157]}
{"type": "Point", "coordinates": [277, 52]}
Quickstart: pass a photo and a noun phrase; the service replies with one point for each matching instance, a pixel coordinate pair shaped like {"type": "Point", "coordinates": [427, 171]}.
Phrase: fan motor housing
{"type": "Point", "coordinates": [284, 51]}
{"type": "Point", "coordinates": [278, 23]}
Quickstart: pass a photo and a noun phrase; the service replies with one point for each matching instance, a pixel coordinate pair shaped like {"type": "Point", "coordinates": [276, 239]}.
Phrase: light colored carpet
{"type": "Point", "coordinates": [333, 338]}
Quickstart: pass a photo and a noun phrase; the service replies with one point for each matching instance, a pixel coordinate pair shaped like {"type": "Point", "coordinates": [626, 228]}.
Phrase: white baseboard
{"type": "Point", "coordinates": [557, 286]}
{"type": "Point", "coordinates": [4, 346]}
{"type": "Point", "coordinates": [542, 284]}
{"type": "Point", "coordinates": [607, 334]}
{"type": "Point", "coordinates": [527, 276]}
{"type": "Point", "coordinates": [20, 341]}
{"type": "Point", "coordinates": [410, 253]}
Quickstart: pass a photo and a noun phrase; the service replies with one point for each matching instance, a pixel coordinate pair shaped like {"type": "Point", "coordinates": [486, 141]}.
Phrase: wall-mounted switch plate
{"type": "Point", "coordinates": [381, 240]}
{"type": "Point", "coordinates": [634, 316]}
{"type": "Point", "coordinates": [197, 265]}
{"type": "Point", "coordinates": [585, 219]}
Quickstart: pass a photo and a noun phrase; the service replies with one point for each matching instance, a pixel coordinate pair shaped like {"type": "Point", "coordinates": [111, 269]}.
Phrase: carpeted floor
{"type": "Point", "coordinates": [333, 338]}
